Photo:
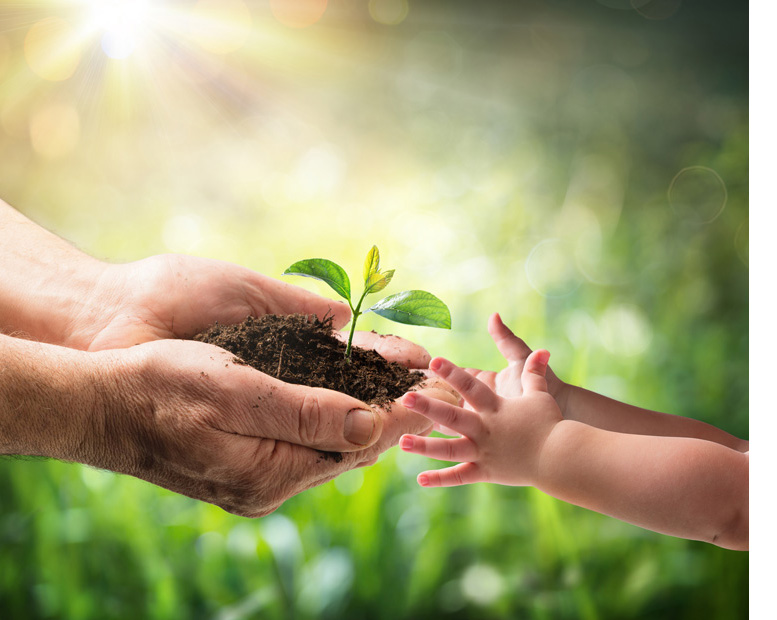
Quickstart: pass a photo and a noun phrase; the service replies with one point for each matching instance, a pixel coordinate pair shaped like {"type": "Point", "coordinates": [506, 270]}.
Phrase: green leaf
{"type": "Point", "coordinates": [414, 308]}
{"type": "Point", "coordinates": [325, 270]}
{"type": "Point", "coordinates": [378, 281]}
{"type": "Point", "coordinates": [371, 263]}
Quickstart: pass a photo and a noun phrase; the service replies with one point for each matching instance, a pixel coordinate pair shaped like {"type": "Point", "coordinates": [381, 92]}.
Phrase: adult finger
{"type": "Point", "coordinates": [270, 296]}
{"type": "Point", "coordinates": [533, 376]}
{"type": "Point", "coordinates": [512, 348]}
{"type": "Point", "coordinates": [309, 467]}
{"type": "Point", "coordinates": [392, 348]}
{"type": "Point", "coordinates": [463, 473]}
{"type": "Point", "coordinates": [312, 417]}
{"type": "Point", "coordinates": [462, 421]}
{"type": "Point", "coordinates": [475, 392]}
{"type": "Point", "coordinates": [327, 420]}
{"type": "Point", "coordinates": [461, 450]}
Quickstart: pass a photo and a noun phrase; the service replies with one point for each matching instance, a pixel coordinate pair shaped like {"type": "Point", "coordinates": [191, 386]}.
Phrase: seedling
{"type": "Point", "coordinates": [409, 307]}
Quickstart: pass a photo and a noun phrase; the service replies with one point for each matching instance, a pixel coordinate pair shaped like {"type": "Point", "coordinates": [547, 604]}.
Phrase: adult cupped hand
{"type": "Point", "coordinates": [177, 296]}
{"type": "Point", "coordinates": [184, 416]}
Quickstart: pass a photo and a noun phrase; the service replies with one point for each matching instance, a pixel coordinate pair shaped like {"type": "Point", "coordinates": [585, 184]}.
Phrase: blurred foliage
{"type": "Point", "coordinates": [579, 166]}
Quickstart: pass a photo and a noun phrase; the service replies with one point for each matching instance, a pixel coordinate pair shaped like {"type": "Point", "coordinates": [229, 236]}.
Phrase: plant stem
{"type": "Point", "coordinates": [356, 315]}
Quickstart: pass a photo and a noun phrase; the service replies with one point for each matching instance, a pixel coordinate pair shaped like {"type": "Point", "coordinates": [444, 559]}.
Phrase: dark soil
{"type": "Point", "coordinates": [297, 350]}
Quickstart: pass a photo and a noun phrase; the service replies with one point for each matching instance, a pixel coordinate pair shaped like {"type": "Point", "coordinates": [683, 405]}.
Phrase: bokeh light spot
{"type": "Point", "coordinates": [389, 12]}
{"type": "Point", "coordinates": [55, 130]}
{"type": "Point", "coordinates": [318, 174]}
{"type": "Point", "coordinates": [220, 26]}
{"type": "Point", "coordinates": [624, 330]}
{"type": "Point", "coordinates": [52, 49]}
{"type": "Point", "coordinates": [298, 13]}
{"type": "Point", "coordinates": [581, 329]}
{"type": "Point", "coordinates": [551, 269]}
{"type": "Point", "coordinates": [182, 233]}
{"type": "Point", "coordinates": [697, 194]}
{"type": "Point", "coordinates": [327, 580]}
{"type": "Point", "coordinates": [242, 541]}
{"type": "Point", "coordinates": [482, 584]}
{"type": "Point", "coordinates": [350, 482]}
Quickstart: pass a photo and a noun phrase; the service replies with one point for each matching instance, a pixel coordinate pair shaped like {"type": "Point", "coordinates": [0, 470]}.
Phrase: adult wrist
{"type": "Point", "coordinates": [53, 302]}
{"type": "Point", "coordinates": [48, 399]}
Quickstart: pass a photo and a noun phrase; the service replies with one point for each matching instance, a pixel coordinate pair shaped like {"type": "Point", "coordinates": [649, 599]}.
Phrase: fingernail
{"type": "Point", "coordinates": [359, 426]}
{"type": "Point", "coordinates": [423, 480]}
{"type": "Point", "coordinates": [408, 400]}
{"type": "Point", "coordinates": [435, 364]}
{"type": "Point", "coordinates": [406, 443]}
{"type": "Point", "coordinates": [544, 356]}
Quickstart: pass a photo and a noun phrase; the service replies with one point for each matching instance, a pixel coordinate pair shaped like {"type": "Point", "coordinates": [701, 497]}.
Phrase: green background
{"type": "Point", "coordinates": [579, 166]}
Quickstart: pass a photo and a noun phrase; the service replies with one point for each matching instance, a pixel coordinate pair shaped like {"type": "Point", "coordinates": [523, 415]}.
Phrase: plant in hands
{"type": "Point", "coordinates": [501, 438]}
{"type": "Point", "coordinates": [410, 307]}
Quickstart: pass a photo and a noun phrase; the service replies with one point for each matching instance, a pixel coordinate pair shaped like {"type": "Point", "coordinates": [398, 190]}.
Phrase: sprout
{"type": "Point", "coordinates": [409, 307]}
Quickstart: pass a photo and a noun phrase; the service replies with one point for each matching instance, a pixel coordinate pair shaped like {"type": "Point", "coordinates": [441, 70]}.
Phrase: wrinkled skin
{"type": "Point", "coordinates": [186, 418]}
{"type": "Point", "coordinates": [196, 423]}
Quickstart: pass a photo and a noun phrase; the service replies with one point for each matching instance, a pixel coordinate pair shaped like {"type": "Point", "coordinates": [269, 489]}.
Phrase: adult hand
{"type": "Point", "coordinates": [182, 415]}
{"type": "Point", "coordinates": [52, 292]}
{"type": "Point", "coordinates": [177, 296]}
{"type": "Point", "coordinates": [224, 433]}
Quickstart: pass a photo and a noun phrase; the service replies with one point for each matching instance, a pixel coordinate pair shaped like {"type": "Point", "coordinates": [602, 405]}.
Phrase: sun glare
{"type": "Point", "coordinates": [122, 24]}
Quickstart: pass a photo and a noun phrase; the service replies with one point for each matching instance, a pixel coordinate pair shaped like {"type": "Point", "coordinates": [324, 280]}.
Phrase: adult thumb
{"type": "Point", "coordinates": [325, 419]}
{"type": "Point", "coordinates": [533, 375]}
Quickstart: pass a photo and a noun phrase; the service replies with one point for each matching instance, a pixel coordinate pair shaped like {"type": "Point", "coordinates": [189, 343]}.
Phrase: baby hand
{"type": "Point", "coordinates": [501, 438]}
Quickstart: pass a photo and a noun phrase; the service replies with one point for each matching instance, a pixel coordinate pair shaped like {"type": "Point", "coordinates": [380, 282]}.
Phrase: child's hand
{"type": "Point", "coordinates": [501, 438]}
{"type": "Point", "coordinates": [507, 382]}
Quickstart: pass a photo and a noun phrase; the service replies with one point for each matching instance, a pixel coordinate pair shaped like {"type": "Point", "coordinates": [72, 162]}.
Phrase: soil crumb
{"type": "Point", "coordinates": [305, 351]}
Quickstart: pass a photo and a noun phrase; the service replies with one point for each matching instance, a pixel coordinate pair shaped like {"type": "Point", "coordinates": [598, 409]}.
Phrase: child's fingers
{"type": "Point", "coordinates": [486, 377]}
{"type": "Point", "coordinates": [475, 392]}
{"type": "Point", "coordinates": [461, 450]}
{"type": "Point", "coordinates": [533, 376]}
{"type": "Point", "coordinates": [455, 418]}
{"type": "Point", "coordinates": [512, 348]}
{"type": "Point", "coordinates": [463, 473]}
{"type": "Point", "coordinates": [445, 430]}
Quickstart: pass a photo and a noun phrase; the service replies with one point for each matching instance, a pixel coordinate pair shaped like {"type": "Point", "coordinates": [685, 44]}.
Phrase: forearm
{"type": "Point", "coordinates": [582, 405]}
{"type": "Point", "coordinates": [49, 400]}
{"type": "Point", "coordinates": [684, 487]}
{"type": "Point", "coordinates": [48, 288]}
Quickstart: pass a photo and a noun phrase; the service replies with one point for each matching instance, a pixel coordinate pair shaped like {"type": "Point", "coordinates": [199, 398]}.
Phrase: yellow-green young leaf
{"type": "Point", "coordinates": [414, 308]}
{"type": "Point", "coordinates": [378, 281]}
{"type": "Point", "coordinates": [371, 263]}
{"type": "Point", "coordinates": [325, 270]}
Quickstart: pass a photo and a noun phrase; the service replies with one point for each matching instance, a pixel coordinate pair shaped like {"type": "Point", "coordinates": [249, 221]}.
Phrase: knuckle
{"type": "Point", "coordinates": [468, 382]}
{"type": "Point", "coordinates": [421, 403]}
{"type": "Point", "coordinates": [309, 418]}
{"type": "Point", "coordinates": [450, 417]}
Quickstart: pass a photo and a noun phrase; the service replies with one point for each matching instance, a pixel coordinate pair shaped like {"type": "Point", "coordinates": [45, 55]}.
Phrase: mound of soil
{"type": "Point", "coordinates": [294, 349]}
